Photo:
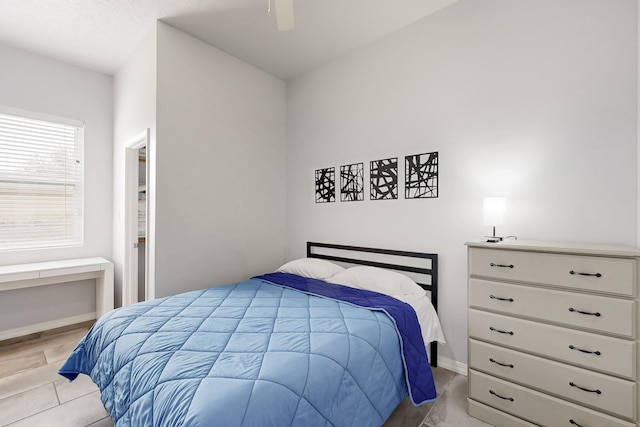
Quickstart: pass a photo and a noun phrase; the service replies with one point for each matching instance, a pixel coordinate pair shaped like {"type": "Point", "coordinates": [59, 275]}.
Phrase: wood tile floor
{"type": "Point", "coordinates": [32, 394]}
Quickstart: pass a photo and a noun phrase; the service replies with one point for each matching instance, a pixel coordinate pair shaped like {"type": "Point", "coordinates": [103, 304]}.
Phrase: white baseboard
{"type": "Point", "coordinates": [452, 365]}
{"type": "Point", "coordinates": [45, 326]}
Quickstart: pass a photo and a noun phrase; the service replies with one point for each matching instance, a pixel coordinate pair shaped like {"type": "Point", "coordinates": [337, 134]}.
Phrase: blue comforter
{"type": "Point", "coordinates": [254, 354]}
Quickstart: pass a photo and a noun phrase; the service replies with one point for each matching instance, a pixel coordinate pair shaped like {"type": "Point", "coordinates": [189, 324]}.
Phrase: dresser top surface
{"type": "Point", "coordinates": [560, 247]}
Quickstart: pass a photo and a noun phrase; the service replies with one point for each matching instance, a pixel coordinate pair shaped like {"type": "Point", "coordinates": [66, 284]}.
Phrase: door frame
{"type": "Point", "coordinates": [130, 274]}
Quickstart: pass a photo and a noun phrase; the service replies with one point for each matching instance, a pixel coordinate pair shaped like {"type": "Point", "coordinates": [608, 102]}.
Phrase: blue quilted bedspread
{"type": "Point", "coordinates": [253, 353]}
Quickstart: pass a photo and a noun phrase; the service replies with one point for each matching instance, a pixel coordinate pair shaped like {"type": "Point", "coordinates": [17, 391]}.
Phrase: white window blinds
{"type": "Point", "coordinates": [41, 181]}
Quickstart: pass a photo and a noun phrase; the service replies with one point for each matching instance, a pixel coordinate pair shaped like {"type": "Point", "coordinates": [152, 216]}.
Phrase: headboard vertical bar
{"type": "Point", "coordinates": [434, 302]}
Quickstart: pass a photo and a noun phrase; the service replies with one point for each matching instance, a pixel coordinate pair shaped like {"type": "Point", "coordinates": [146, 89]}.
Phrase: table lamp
{"type": "Point", "coordinates": [493, 209]}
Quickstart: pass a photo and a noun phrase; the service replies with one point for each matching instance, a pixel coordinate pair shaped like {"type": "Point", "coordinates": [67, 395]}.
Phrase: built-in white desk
{"type": "Point", "coordinates": [22, 276]}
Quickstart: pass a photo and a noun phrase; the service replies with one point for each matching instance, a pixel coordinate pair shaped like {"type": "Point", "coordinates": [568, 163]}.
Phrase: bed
{"type": "Point", "coordinates": [306, 345]}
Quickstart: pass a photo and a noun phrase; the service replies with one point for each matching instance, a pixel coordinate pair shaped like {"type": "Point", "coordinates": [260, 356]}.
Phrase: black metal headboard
{"type": "Point", "coordinates": [431, 270]}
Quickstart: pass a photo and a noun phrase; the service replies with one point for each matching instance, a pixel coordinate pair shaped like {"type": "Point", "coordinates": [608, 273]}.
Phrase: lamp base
{"type": "Point", "coordinates": [493, 239]}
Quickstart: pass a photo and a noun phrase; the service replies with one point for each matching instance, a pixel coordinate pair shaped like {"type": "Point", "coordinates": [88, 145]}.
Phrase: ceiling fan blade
{"type": "Point", "coordinates": [284, 15]}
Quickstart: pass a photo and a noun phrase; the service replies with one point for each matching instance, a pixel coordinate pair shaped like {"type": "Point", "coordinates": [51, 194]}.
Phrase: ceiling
{"type": "Point", "coordinates": [101, 34]}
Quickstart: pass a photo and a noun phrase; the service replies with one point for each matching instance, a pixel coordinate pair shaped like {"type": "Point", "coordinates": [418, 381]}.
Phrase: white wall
{"type": "Point", "coordinates": [23, 308]}
{"type": "Point", "coordinates": [134, 95]}
{"type": "Point", "coordinates": [535, 101]}
{"type": "Point", "coordinates": [36, 83]}
{"type": "Point", "coordinates": [221, 171]}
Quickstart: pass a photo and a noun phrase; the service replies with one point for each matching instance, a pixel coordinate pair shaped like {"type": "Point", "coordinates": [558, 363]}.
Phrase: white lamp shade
{"type": "Point", "coordinates": [493, 209]}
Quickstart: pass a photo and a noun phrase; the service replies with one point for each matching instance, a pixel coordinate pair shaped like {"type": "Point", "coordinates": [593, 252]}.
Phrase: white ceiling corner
{"type": "Point", "coordinates": [101, 34]}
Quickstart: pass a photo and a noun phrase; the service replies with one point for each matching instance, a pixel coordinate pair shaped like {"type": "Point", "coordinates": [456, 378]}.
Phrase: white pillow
{"type": "Point", "coordinates": [377, 280]}
{"type": "Point", "coordinates": [397, 286]}
{"type": "Point", "coordinates": [311, 267]}
{"type": "Point", "coordinates": [427, 317]}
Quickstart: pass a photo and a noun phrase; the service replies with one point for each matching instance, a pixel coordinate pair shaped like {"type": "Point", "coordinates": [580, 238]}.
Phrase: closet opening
{"type": "Point", "coordinates": [135, 285]}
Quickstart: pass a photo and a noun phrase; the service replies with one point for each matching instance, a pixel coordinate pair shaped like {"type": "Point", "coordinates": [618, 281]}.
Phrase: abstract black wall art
{"type": "Point", "coordinates": [326, 185]}
{"type": "Point", "coordinates": [421, 176]}
{"type": "Point", "coordinates": [352, 182]}
{"type": "Point", "coordinates": [384, 179]}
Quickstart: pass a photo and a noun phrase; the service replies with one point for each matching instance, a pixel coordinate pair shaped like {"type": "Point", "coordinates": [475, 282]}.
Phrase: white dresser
{"type": "Point", "coordinates": [553, 334]}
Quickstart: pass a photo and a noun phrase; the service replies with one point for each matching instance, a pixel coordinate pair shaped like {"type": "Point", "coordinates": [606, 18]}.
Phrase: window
{"type": "Point", "coordinates": [41, 181]}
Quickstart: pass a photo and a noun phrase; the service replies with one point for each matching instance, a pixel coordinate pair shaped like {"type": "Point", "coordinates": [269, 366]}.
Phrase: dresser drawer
{"type": "Point", "coordinates": [605, 314]}
{"type": "Point", "coordinates": [611, 275]}
{"type": "Point", "coordinates": [606, 354]}
{"type": "Point", "coordinates": [494, 417]}
{"type": "Point", "coordinates": [607, 393]}
{"type": "Point", "coordinates": [534, 406]}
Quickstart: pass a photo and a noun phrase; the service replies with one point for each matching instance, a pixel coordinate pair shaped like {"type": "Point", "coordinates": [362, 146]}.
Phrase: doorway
{"type": "Point", "coordinates": [136, 284]}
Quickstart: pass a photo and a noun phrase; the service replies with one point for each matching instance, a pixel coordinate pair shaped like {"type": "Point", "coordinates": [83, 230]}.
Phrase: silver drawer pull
{"type": "Point", "coordinates": [510, 399]}
{"type": "Point", "coordinates": [501, 299]}
{"type": "Point", "coordinates": [572, 384]}
{"type": "Point", "coordinates": [575, 423]}
{"type": "Point", "coordinates": [597, 314]}
{"type": "Point", "coordinates": [597, 353]}
{"type": "Point", "coordinates": [585, 274]}
{"type": "Point", "coordinates": [501, 364]}
{"type": "Point", "coordinates": [493, 264]}
{"type": "Point", "coordinates": [502, 332]}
